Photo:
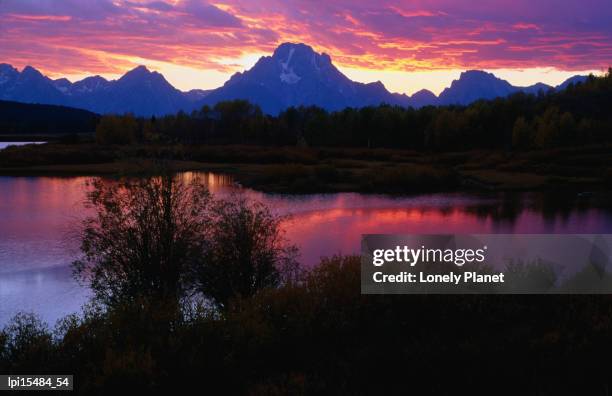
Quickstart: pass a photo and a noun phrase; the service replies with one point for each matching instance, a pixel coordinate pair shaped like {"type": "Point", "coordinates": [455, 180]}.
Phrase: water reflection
{"type": "Point", "coordinates": [4, 145]}
{"type": "Point", "coordinates": [36, 214]}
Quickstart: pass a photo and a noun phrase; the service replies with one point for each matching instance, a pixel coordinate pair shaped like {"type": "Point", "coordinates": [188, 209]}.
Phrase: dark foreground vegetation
{"type": "Point", "coordinates": [322, 337]}
{"type": "Point", "coordinates": [193, 293]}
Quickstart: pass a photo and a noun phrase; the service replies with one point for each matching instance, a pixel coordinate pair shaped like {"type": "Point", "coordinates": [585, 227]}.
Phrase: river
{"type": "Point", "coordinates": [4, 145]}
{"type": "Point", "coordinates": [38, 215]}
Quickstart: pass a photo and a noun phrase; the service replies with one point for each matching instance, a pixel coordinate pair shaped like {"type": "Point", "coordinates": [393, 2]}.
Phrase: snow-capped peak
{"type": "Point", "coordinates": [287, 75]}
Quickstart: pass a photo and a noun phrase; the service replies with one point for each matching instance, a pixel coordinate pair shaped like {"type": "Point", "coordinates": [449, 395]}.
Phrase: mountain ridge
{"type": "Point", "coordinates": [294, 75]}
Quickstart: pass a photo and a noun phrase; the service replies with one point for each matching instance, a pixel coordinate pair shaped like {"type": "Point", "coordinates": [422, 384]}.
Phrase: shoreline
{"type": "Point", "coordinates": [249, 176]}
{"type": "Point", "coordinates": [328, 170]}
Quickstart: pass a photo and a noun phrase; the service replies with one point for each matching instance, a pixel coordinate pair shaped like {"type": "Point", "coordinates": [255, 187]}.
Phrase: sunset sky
{"type": "Point", "coordinates": [408, 45]}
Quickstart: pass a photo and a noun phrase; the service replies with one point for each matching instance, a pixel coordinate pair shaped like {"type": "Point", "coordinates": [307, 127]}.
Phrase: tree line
{"type": "Point", "coordinates": [30, 119]}
{"type": "Point", "coordinates": [575, 116]}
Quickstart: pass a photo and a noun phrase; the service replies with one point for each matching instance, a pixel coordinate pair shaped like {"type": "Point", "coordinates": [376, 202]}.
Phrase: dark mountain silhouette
{"type": "Point", "coordinates": [197, 94]}
{"type": "Point", "coordinates": [535, 89]}
{"type": "Point", "coordinates": [29, 86]}
{"type": "Point", "coordinates": [423, 98]}
{"type": "Point", "coordinates": [295, 75]}
{"type": "Point", "coordinates": [474, 85]}
{"type": "Point", "coordinates": [90, 93]}
{"type": "Point", "coordinates": [89, 85]}
{"type": "Point", "coordinates": [63, 85]}
{"type": "Point", "coordinates": [139, 91]}
{"type": "Point", "coordinates": [572, 80]}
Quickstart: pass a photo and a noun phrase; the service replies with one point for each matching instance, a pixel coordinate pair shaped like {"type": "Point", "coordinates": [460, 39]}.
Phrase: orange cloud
{"type": "Point", "coordinates": [107, 37]}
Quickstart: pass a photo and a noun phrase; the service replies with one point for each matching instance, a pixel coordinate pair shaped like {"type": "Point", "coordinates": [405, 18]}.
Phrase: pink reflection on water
{"type": "Point", "coordinates": [339, 230]}
{"type": "Point", "coordinates": [36, 215]}
{"type": "Point", "coordinates": [35, 219]}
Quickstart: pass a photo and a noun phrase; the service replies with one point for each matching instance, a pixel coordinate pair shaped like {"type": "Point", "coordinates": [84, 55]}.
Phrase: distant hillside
{"type": "Point", "coordinates": [22, 118]}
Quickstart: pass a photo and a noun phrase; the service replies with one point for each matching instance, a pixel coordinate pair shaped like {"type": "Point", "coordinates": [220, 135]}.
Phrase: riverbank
{"type": "Point", "coordinates": [314, 170]}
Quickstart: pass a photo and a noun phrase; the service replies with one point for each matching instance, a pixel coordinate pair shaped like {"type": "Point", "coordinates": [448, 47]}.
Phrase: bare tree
{"type": "Point", "coordinates": [247, 252]}
{"type": "Point", "coordinates": [143, 236]}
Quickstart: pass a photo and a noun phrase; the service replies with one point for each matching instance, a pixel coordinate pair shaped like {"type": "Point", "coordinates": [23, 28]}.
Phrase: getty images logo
{"type": "Point", "coordinates": [411, 256]}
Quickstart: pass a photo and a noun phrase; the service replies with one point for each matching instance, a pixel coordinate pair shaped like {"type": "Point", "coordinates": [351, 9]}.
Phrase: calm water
{"type": "Point", "coordinates": [37, 214]}
{"type": "Point", "coordinates": [4, 145]}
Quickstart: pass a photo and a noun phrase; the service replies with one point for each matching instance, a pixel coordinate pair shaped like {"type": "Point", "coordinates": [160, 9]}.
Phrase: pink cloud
{"type": "Point", "coordinates": [101, 35]}
{"type": "Point", "coordinates": [527, 26]}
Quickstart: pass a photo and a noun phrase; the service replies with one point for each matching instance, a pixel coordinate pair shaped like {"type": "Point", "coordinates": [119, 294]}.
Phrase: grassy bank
{"type": "Point", "coordinates": [306, 170]}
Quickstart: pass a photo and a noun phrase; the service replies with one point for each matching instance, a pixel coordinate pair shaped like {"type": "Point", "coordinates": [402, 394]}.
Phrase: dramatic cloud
{"type": "Point", "coordinates": [108, 36]}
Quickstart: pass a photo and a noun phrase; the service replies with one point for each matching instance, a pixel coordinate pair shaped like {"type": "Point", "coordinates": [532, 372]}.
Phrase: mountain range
{"type": "Point", "coordinates": [293, 75]}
